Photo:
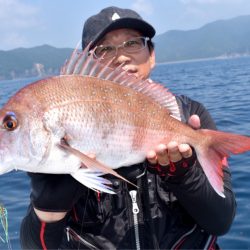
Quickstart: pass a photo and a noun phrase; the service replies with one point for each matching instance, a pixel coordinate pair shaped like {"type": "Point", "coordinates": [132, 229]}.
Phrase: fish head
{"type": "Point", "coordinates": [23, 139]}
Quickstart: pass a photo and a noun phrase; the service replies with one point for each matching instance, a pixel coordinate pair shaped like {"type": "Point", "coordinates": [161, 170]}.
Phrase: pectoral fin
{"type": "Point", "coordinates": [93, 164]}
{"type": "Point", "coordinates": [91, 180]}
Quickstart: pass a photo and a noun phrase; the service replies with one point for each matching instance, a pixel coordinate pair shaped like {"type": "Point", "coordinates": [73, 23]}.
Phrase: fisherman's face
{"type": "Point", "coordinates": [139, 63]}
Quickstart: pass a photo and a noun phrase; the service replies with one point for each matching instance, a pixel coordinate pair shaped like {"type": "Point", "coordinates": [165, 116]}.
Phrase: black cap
{"type": "Point", "coordinates": [112, 18]}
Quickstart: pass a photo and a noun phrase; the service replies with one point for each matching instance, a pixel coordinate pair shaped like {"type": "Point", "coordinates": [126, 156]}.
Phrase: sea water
{"type": "Point", "coordinates": [223, 86]}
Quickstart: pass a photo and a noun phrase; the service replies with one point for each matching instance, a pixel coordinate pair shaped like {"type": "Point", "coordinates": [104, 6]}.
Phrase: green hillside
{"type": "Point", "coordinates": [220, 38]}
{"type": "Point", "coordinates": [23, 62]}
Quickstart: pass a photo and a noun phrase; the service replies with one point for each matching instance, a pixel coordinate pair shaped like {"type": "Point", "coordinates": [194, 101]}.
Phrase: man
{"type": "Point", "coordinates": [174, 206]}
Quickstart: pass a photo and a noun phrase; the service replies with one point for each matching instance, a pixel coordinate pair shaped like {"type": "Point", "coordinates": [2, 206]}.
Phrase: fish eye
{"type": "Point", "coordinates": [10, 122]}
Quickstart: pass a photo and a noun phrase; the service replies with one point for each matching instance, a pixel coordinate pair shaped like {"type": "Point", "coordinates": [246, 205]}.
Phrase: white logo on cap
{"type": "Point", "coordinates": [115, 17]}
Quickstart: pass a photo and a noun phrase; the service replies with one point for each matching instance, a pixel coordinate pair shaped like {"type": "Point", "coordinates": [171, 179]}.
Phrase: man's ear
{"type": "Point", "coordinates": [152, 58]}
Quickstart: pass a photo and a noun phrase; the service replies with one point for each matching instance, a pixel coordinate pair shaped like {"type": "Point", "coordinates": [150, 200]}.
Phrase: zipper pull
{"type": "Point", "coordinates": [135, 207]}
{"type": "Point", "coordinates": [67, 233]}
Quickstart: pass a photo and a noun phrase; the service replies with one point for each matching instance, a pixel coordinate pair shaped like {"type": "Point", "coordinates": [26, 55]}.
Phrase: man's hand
{"type": "Point", "coordinates": [167, 155]}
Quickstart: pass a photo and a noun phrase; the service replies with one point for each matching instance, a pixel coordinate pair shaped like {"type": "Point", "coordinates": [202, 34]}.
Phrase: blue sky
{"type": "Point", "coordinates": [29, 23]}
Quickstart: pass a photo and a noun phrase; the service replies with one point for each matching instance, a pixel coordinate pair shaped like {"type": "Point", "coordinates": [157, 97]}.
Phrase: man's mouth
{"type": "Point", "coordinates": [130, 69]}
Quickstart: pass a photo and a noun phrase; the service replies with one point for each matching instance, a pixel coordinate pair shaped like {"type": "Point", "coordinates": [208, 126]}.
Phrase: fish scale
{"type": "Point", "coordinates": [92, 106]}
{"type": "Point", "coordinates": [51, 126]}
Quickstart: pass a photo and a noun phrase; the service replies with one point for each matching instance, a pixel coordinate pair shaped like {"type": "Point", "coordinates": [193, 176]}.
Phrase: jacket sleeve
{"type": "Point", "coordinates": [35, 234]}
{"type": "Point", "coordinates": [51, 193]}
{"type": "Point", "coordinates": [212, 212]}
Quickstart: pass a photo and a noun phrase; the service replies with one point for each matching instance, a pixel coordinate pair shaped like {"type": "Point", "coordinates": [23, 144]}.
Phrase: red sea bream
{"type": "Point", "coordinates": [51, 126]}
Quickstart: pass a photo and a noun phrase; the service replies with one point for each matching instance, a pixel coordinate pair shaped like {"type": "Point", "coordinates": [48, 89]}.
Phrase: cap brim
{"type": "Point", "coordinates": [130, 23]}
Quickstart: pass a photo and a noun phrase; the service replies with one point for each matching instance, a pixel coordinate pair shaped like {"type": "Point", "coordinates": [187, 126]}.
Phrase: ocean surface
{"type": "Point", "coordinates": [223, 86]}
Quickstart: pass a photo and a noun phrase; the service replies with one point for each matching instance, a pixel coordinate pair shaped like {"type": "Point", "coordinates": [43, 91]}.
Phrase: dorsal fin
{"type": "Point", "coordinates": [84, 63]}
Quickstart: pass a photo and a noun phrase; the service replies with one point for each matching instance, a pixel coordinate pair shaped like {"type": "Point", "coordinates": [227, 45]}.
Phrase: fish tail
{"type": "Point", "coordinates": [212, 157]}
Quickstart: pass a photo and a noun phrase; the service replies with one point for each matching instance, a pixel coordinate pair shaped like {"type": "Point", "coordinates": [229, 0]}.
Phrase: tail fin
{"type": "Point", "coordinates": [221, 145]}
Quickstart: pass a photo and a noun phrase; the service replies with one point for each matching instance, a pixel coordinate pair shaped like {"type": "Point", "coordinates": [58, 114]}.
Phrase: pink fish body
{"type": "Point", "coordinates": [50, 126]}
{"type": "Point", "coordinates": [113, 121]}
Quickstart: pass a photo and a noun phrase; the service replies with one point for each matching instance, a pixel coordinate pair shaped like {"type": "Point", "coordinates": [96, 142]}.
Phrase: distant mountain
{"type": "Point", "coordinates": [224, 38]}
{"type": "Point", "coordinates": [37, 61]}
{"type": "Point", "coordinates": [217, 39]}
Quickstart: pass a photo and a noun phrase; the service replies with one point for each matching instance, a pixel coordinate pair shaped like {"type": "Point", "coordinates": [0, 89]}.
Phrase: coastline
{"type": "Point", "coordinates": [222, 57]}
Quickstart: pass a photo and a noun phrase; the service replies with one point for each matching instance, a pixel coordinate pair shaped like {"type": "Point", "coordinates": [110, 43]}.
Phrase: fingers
{"type": "Point", "coordinates": [173, 152]}
{"type": "Point", "coordinates": [185, 150]}
{"type": "Point", "coordinates": [159, 155]}
{"type": "Point", "coordinates": [194, 121]}
{"type": "Point", "coordinates": [162, 154]}
{"type": "Point", "coordinates": [152, 157]}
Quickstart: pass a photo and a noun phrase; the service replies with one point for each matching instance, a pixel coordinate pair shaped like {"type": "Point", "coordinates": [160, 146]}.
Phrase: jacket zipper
{"type": "Point", "coordinates": [135, 211]}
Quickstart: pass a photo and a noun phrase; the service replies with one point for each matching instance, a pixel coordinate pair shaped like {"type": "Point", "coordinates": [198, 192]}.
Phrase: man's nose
{"type": "Point", "coordinates": [121, 59]}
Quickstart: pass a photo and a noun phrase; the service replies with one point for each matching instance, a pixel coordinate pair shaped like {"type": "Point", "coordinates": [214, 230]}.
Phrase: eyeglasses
{"type": "Point", "coordinates": [132, 45]}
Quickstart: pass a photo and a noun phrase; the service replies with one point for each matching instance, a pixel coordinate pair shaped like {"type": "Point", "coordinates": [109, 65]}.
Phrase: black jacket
{"type": "Point", "coordinates": [163, 213]}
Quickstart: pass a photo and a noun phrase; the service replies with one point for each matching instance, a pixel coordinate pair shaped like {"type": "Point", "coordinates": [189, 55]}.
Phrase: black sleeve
{"type": "Point", "coordinates": [211, 211]}
{"type": "Point", "coordinates": [52, 193]}
{"type": "Point", "coordinates": [35, 234]}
